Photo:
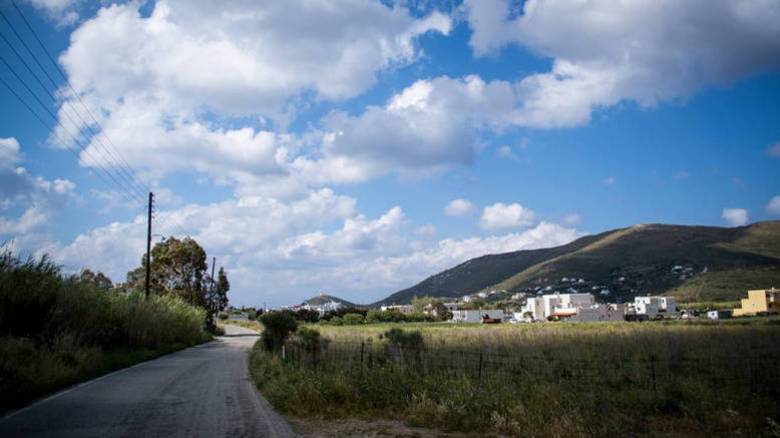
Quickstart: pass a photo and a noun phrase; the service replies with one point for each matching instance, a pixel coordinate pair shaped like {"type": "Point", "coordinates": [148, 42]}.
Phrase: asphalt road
{"type": "Point", "coordinates": [204, 391]}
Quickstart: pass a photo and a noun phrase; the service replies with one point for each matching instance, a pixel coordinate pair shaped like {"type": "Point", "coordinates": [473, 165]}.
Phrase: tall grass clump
{"type": "Point", "coordinates": [56, 330]}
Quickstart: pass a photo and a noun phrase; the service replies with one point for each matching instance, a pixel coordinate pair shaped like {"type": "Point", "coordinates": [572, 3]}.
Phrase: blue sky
{"type": "Point", "coordinates": [318, 151]}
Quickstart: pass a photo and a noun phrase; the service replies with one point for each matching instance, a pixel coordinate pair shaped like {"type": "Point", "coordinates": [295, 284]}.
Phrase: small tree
{"type": "Point", "coordinates": [96, 279]}
{"type": "Point", "coordinates": [278, 327]}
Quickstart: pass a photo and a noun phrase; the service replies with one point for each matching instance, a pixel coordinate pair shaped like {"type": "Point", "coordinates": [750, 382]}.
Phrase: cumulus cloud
{"type": "Point", "coordinates": [500, 215]}
{"type": "Point", "coordinates": [189, 80]}
{"type": "Point", "coordinates": [242, 57]}
{"type": "Point", "coordinates": [283, 252]}
{"type": "Point", "coordinates": [35, 195]}
{"type": "Point", "coordinates": [773, 206]}
{"type": "Point", "coordinates": [735, 216]}
{"type": "Point", "coordinates": [458, 207]}
{"type": "Point", "coordinates": [645, 51]}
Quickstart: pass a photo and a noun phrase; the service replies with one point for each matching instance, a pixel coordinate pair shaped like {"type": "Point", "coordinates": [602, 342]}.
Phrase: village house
{"type": "Point", "coordinates": [403, 308]}
{"type": "Point", "coordinates": [759, 302]}
{"type": "Point", "coordinates": [655, 307]}
{"type": "Point", "coordinates": [556, 305]}
{"type": "Point", "coordinates": [476, 315]}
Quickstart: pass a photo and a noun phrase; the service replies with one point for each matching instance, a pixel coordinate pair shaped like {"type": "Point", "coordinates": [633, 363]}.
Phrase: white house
{"type": "Point", "coordinates": [561, 305]}
{"type": "Point", "coordinates": [476, 315]}
{"type": "Point", "coordinates": [324, 308]}
{"type": "Point", "coordinates": [655, 306]}
{"type": "Point", "coordinates": [403, 308]}
{"type": "Point", "coordinates": [600, 312]}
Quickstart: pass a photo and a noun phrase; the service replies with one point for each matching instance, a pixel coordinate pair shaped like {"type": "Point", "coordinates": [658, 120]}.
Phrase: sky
{"type": "Point", "coordinates": [355, 147]}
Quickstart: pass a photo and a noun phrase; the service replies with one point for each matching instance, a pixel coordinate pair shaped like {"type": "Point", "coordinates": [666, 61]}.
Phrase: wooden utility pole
{"type": "Point", "coordinates": [149, 244]}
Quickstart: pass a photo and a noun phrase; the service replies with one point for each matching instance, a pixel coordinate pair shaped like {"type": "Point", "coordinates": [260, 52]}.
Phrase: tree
{"type": "Point", "coordinates": [179, 267]}
{"type": "Point", "coordinates": [277, 328]}
{"type": "Point", "coordinates": [98, 280]}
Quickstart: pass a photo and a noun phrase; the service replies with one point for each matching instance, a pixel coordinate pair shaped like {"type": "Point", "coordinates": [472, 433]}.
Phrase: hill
{"type": "Point", "coordinates": [693, 263]}
{"type": "Point", "coordinates": [323, 298]}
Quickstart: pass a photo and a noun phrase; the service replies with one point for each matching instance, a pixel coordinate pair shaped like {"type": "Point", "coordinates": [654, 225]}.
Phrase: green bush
{"type": "Point", "coordinates": [223, 316]}
{"type": "Point", "coordinates": [277, 328]}
{"type": "Point", "coordinates": [353, 319]}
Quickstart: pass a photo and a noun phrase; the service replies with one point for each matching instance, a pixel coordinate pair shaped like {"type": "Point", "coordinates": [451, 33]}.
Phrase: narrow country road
{"type": "Point", "coordinates": [204, 391]}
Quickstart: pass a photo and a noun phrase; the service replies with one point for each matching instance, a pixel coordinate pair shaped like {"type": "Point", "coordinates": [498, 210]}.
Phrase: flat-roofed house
{"type": "Point", "coordinates": [759, 302]}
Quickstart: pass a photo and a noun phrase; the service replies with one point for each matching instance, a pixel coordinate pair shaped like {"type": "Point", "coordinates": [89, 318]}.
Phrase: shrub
{"type": "Point", "coordinates": [353, 319]}
{"type": "Point", "coordinates": [406, 340]}
{"type": "Point", "coordinates": [223, 316]}
{"type": "Point", "coordinates": [277, 328]}
{"type": "Point", "coordinates": [59, 329]}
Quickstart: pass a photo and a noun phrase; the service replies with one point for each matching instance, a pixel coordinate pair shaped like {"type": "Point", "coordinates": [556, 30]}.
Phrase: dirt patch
{"type": "Point", "coordinates": [314, 428]}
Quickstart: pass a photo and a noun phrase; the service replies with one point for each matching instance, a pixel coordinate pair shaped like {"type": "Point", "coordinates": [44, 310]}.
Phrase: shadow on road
{"type": "Point", "coordinates": [241, 335]}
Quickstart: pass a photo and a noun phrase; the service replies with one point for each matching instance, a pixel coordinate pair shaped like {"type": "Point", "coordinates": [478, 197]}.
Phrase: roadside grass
{"type": "Point", "coordinates": [245, 323]}
{"type": "Point", "coordinates": [56, 330]}
{"type": "Point", "coordinates": [602, 379]}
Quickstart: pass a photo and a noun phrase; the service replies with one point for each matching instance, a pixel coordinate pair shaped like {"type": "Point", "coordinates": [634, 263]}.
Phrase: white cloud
{"type": "Point", "coordinates": [283, 252]}
{"type": "Point", "coordinates": [774, 205]}
{"type": "Point", "coordinates": [61, 12]}
{"type": "Point", "coordinates": [169, 82]}
{"type": "Point", "coordinates": [458, 207]}
{"type": "Point", "coordinates": [242, 57]}
{"type": "Point", "coordinates": [501, 215]}
{"type": "Point", "coordinates": [37, 196]}
{"type": "Point", "coordinates": [642, 51]}
{"type": "Point", "coordinates": [735, 216]}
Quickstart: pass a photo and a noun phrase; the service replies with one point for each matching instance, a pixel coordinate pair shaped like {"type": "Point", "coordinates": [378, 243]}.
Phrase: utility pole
{"type": "Point", "coordinates": [149, 244]}
{"type": "Point", "coordinates": [213, 282]}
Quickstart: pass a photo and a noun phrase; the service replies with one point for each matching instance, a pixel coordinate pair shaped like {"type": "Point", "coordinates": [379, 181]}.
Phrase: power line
{"type": "Point", "coordinates": [123, 170]}
{"type": "Point", "coordinates": [132, 195]}
{"type": "Point", "coordinates": [67, 82]}
{"type": "Point", "coordinates": [40, 83]}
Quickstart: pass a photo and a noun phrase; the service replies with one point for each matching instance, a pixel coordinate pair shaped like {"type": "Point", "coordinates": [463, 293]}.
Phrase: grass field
{"type": "Point", "coordinates": [690, 378]}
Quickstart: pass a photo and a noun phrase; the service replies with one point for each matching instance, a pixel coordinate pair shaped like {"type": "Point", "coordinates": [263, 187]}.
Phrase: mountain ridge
{"type": "Point", "coordinates": [715, 263]}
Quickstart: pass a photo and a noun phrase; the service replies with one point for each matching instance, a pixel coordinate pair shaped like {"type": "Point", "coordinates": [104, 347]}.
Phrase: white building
{"type": "Point", "coordinates": [403, 308]}
{"type": "Point", "coordinates": [654, 307]}
{"type": "Point", "coordinates": [476, 315]}
{"type": "Point", "coordinates": [327, 307]}
{"type": "Point", "coordinates": [600, 312]}
{"type": "Point", "coordinates": [560, 305]}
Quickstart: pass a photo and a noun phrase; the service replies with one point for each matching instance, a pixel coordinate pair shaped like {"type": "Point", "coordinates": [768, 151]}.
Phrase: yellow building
{"type": "Point", "coordinates": [760, 301]}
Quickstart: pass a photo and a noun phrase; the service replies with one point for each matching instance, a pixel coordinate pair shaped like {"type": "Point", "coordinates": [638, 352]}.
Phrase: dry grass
{"type": "Point", "coordinates": [689, 378]}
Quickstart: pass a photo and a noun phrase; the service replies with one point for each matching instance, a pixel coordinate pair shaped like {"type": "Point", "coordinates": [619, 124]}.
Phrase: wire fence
{"type": "Point", "coordinates": [758, 371]}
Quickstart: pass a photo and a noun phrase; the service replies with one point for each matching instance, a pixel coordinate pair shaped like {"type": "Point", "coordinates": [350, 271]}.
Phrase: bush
{"type": "Point", "coordinates": [277, 328]}
{"type": "Point", "coordinates": [223, 316]}
{"type": "Point", "coordinates": [406, 340]}
{"type": "Point", "coordinates": [353, 319]}
{"type": "Point", "coordinates": [62, 329]}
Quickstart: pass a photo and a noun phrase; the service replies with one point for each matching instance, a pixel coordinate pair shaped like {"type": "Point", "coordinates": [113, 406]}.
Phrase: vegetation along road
{"type": "Point", "coordinates": [200, 391]}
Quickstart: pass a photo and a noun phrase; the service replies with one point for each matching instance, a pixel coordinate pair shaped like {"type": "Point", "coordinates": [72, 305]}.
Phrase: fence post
{"type": "Point", "coordinates": [283, 352]}
{"type": "Point", "coordinates": [362, 351]}
{"type": "Point", "coordinates": [479, 375]}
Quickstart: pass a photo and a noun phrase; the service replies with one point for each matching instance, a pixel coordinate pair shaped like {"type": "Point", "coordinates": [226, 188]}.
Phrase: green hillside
{"type": "Point", "coordinates": [478, 273]}
{"type": "Point", "coordinates": [690, 262]}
